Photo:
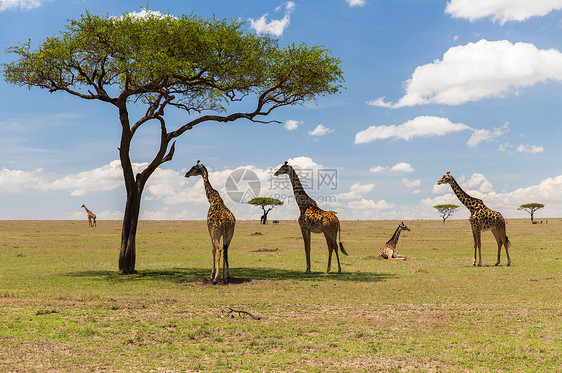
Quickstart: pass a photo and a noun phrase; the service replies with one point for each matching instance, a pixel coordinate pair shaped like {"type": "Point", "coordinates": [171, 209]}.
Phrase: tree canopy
{"type": "Point", "coordinates": [446, 210]}
{"type": "Point", "coordinates": [531, 208]}
{"type": "Point", "coordinates": [264, 202]}
{"type": "Point", "coordinates": [161, 62]}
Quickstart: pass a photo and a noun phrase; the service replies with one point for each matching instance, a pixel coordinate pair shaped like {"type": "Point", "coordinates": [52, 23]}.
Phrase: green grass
{"type": "Point", "coordinates": [64, 307]}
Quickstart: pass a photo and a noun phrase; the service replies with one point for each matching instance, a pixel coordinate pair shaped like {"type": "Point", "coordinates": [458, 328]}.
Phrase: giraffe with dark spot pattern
{"type": "Point", "coordinates": [481, 218]}
{"type": "Point", "coordinates": [220, 222]}
{"type": "Point", "coordinates": [314, 219]}
{"type": "Point", "coordinates": [388, 251]}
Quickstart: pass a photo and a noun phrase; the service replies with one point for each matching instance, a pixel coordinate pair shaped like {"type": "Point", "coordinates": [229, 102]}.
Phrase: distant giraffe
{"type": "Point", "coordinates": [220, 222]}
{"type": "Point", "coordinates": [314, 219]}
{"type": "Point", "coordinates": [481, 219]}
{"type": "Point", "coordinates": [91, 217]}
{"type": "Point", "coordinates": [388, 251]}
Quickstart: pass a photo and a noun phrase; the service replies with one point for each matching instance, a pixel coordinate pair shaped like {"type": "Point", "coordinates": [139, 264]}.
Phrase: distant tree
{"type": "Point", "coordinates": [531, 208]}
{"type": "Point", "coordinates": [446, 210]}
{"type": "Point", "coordinates": [147, 66]}
{"type": "Point", "coordinates": [267, 204]}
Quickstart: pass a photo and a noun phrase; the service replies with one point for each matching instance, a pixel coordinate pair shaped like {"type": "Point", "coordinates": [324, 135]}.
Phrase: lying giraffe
{"type": "Point", "coordinates": [91, 217]}
{"type": "Point", "coordinates": [220, 222]}
{"type": "Point", "coordinates": [314, 219]}
{"type": "Point", "coordinates": [388, 251]}
{"type": "Point", "coordinates": [481, 218]}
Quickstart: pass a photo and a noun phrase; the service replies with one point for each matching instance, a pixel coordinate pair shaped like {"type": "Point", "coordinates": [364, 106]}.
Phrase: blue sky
{"type": "Point", "coordinates": [467, 86]}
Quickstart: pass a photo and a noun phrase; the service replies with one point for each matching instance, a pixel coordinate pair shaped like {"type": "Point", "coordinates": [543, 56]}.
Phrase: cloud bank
{"type": "Point", "coordinates": [501, 10]}
{"type": "Point", "coordinates": [479, 70]}
{"type": "Point", "coordinates": [21, 4]}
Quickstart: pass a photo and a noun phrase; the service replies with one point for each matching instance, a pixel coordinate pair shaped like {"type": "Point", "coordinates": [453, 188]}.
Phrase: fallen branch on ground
{"type": "Point", "coordinates": [231, 311]}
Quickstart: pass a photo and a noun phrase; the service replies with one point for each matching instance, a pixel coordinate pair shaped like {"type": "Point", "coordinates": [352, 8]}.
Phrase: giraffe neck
{"type": "Point", "coordinates": [302, 199]}
{"type": "Point", "coordinates": [394, 239]}
{"type": "Point", "coordinates": [212, 195]}
{"type": "Point", "coordinates": [88, 211]}
{"type": "Point", "coordinates": [468, 201]}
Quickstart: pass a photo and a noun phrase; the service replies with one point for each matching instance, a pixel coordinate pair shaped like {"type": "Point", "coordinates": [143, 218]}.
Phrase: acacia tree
{"type": "Point", "coordinates": [267, 204]}
{"type": "Point", "coordinates": [446, 210]}
{"type": "Point", "coordinates": [531, 208]}
{"type": "Point", "coordinates": [162, 62]}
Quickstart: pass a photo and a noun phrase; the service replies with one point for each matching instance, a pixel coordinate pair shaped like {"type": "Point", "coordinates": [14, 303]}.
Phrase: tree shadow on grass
{"type": "Point", "coordinates": [238, 275]}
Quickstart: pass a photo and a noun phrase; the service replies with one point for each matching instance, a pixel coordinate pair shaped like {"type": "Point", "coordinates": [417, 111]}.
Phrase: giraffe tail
{"type": "Point", "coordinates": [506, 243]}
{"type": "Point", "coordinates": [341, 244]}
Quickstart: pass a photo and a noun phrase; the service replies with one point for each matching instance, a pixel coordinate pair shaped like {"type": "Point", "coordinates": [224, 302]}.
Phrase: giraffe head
{"type": "Point", "coordinates": [196, 170]}
{"type": "Point", "coordinates": [446, 179]}
{"type": "Point", "coordinates": [83, 206]}
{"type": "Point", "coordinates": [283, 170]}
{"type": "Point", "coordinates": [403, 227]}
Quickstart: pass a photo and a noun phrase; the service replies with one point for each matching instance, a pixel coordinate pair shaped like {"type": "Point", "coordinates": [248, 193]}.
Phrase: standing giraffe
{"type": "Point", "coordinates": [91, 217]}
{"type": "Point", "coordinates": [220, 222]}
{"type": "Point", "coordinates": [481, 219]}
{"type": "Point", "coordinates": [388, 251]}
{"type": "Point", "coordinates": [314, 219]}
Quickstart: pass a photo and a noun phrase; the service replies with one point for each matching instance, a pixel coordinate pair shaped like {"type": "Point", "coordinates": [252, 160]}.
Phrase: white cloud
{"type": "Point", "coordinates": [356, 191]}
{"type": "Point", "coordinates": [420, 126]}
{"type": "Point", "coordinates": [377, 169]}
{"type": "Point", "coordinates": [533, 149]}
{"type": "Point", "coordinates": [479, 70]}
{"type": "Point", "coordinates": [14, 181]}
{"type": "Point", "coordinates": [479, 182]}
{"type": "Point", "coordinates": [402, 167]}
{"type": "Point", "coordinates": [353, 3]}
{"type": "Point", "coordinates": [104, 178]}
{"type": "Point", "coordinates": [292, 124]}
{"type": "Point", "coordinates": [380, 102]}
{"type": "Point", "coordinates": [145, 13]}
{"type": "Point", "coordinates": [522, 148]}
{"type": "Point", "coordinates": [320, 130]}
{"type": "Point", "coordinates": [501, 10]}
{"type": "Point", "coordinates": [274, 27]}
{"type": "Point", "coordinates": [398, 167]}
{"type": "Point", "coordinates": [479, 135]}
{"type": "Point", "coordinates": [411, 183]}
{"type": "Point", "coordinates": [369, 204]}
{"type": "Point", "coordinates": [21, 4]}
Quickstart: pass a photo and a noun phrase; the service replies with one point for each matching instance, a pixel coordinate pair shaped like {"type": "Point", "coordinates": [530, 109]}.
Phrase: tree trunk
{"type": "Point", "coordinates": [127, 253]}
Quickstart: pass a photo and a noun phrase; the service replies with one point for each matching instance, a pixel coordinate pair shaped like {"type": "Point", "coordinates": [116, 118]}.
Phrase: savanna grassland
{"type": "Point", "coordinates": [64, 307]}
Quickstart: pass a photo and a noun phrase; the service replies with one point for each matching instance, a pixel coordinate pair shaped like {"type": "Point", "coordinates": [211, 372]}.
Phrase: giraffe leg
{"type": "Point", "coordinates": [476, 235]}
{"type": "Point", "coordinates": [306, 238]}
{"type": "Point", "coordinates": [496, 234]}
{"type": "Point", "coordinates": [216, 253]}
{"type": "Point", "coordinates": [506, 245]}
{"type": "Point", "coordinates": [226, 244]}
{"type": "Point", "coordinates": [332, 246]}
{"type": "Point", "coordinates": [479, 249]}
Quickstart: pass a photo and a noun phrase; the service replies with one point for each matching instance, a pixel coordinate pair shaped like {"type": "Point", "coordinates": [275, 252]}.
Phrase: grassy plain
{"type": "Point", "coordinates": [64, 307]}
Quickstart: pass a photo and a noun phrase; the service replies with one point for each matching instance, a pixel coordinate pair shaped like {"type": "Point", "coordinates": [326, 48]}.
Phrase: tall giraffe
{"type": "Point", "coordinates": [91, 217]}
{"type": "Point", "coordinates": [220, 222]}
{"type": "Point", "coordinates": [388, 251]}
{"type": "Point", "coordinates": [481, 218]}
{"type": "Point", "coordinates": [314, 219]}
